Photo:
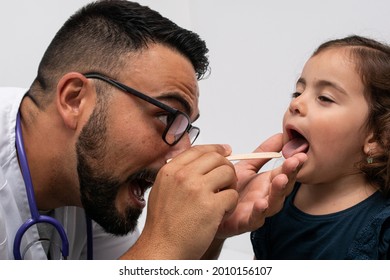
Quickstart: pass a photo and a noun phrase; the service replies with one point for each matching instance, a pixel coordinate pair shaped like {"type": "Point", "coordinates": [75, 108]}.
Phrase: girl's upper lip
{"type": "Point", "coordinates": [292, 130]}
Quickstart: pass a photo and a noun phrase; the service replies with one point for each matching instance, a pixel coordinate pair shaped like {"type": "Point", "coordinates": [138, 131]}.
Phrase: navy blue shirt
{"type": "Point", "coordinates": [359, 232]}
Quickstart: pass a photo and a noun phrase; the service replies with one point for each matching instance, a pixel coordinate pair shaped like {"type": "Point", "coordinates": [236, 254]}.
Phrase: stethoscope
{"type": "Point", "coordinates": [36, 217]}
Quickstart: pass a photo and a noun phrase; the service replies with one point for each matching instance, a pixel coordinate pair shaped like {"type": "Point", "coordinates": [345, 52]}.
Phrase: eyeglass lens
{"type": "Point", "coordinates": [193, 133]}
{"type": "Point", "coordinates": [177, 128]}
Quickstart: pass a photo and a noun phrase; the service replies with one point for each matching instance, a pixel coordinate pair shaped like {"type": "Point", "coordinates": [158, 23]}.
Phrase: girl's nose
{"type": "Point", "coordinates": [298, 106]}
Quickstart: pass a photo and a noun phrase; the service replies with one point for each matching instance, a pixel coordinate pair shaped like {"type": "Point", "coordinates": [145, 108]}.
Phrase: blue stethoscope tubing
{"type": "Point", "coordinates": [36, 217]}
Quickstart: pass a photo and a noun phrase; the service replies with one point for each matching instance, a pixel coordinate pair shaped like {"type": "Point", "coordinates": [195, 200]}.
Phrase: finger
{"type": "Point", "coordinates": [278, 193]}
{"type": "Point", "coordinates": [290, 165]}
{"type": "Point", "coordinates": [258, 214]}
{"type": "Point", "coordinates": [249, 216]}
{"type": "Point", "coordinates": [220, 171]}
{"type": "Point", "coordinates": [272, 144]}
{"type": "Point", "coordinates": [282, 183]}
{"type": "Point", "coordinates": [279, 188]}
{"type": "Point", "coordinates": [210, 175]}
{"type": "Point", "coordinates": [221, 178]}
{"type": "Point", "coordinates": [209, 162]}
{"type": "Point", "coordinates": [195, 152]}
{"type": "Point", "coordinates": [227, 199]}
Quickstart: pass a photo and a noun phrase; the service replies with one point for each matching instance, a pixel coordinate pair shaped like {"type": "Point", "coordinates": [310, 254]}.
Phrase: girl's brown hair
{"type": "Point", "coordinates": [372, 60]}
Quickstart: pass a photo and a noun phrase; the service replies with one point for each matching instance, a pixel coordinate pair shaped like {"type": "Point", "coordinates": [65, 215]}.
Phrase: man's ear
{"type": "Point", "coordinates": [371, 145]}
{"type": "Point", "coordinates": [74, 97]}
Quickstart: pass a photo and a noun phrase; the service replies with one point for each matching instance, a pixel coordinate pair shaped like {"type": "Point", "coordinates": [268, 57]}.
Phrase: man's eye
{"type": "Point", "coordinates": [165, 118]}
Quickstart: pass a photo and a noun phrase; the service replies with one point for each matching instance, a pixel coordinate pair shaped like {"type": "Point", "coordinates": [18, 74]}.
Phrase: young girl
{"type": "Point", "coordinates": [339, 116]}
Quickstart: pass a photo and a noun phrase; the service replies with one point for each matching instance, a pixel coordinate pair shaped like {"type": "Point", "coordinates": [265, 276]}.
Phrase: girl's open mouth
{"type": "Point", "coordinates": [297, 144]}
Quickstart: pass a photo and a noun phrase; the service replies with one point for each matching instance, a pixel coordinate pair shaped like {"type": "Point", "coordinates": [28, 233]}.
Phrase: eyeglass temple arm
{"type": "Point", "coordinates": [132, 91]}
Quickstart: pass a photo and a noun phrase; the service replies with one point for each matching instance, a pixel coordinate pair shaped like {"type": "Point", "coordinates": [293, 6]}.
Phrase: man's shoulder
{"type": "Point", "coordinates": [11, 96]}
{"type": "Point", "coordinates": [10, 99]}
{"type": "Point", "coordinates": [12, 91]}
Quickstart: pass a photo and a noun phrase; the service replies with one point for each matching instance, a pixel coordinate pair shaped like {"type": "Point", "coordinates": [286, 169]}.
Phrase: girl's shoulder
{"type": "Point", "coordinates": [373, 240]}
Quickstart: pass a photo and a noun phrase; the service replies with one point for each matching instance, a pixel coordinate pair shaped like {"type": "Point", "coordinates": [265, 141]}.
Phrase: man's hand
{"type": "Point", "coordinates": [189, 199]}
{"type": "Point", "coordinates": [260, 195]}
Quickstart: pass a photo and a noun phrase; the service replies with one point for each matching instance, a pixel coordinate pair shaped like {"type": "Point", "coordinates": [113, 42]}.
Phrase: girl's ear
{"type": "Point", "coordinates": [371, 145]}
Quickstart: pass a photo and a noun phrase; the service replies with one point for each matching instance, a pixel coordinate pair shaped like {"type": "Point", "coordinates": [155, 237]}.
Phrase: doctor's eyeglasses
{"type": "Point", "coordinates": [177, 123]}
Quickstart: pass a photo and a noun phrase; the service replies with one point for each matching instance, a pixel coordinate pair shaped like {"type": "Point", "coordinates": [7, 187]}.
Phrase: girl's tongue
{"type": "Point", "coordinates": [295, 146]}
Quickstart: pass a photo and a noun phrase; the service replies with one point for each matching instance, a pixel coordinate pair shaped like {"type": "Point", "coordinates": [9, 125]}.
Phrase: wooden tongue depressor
{"type": "Point", "coordinates": [250, 156]}
{"type": "Point", "coordinates": [254, 156]}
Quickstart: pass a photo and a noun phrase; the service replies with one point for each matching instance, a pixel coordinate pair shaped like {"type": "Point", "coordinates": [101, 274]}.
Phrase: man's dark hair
{"type": "Point", "coordinates": [100, 36]}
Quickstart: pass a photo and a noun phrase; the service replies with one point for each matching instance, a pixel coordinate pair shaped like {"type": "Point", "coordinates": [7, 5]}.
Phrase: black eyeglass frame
{"type": "Point", "coordinates": [174, 112]}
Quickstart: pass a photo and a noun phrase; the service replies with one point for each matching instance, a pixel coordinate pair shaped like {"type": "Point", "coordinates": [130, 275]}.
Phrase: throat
{"type": "Point", "coordinates": [323, 200]}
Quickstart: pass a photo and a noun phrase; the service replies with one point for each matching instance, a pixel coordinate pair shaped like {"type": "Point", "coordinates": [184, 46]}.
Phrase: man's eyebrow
{"type": "Point", "coordinates": [172, 96]}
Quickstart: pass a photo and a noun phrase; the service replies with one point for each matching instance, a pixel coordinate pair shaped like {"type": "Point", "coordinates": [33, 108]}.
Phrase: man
{"type": "Point", "coordinates": [114, 99]}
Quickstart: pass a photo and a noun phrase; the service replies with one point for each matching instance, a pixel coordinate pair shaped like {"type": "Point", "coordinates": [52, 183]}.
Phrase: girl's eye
{"type": "Point", "coordinates": [325, 99]}
{"type": "Point", "coordinates": [295, 94]}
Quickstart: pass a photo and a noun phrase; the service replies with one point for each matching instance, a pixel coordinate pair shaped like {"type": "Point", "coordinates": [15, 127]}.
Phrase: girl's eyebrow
{"type": "Point", "coordinates": [324, 83]}
{"type": "Point", "coordinates": [301, 81]}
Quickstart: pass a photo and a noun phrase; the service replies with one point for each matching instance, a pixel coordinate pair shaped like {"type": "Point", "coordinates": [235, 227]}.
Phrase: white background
{"type": "Point", "coordinates": [257, 50]}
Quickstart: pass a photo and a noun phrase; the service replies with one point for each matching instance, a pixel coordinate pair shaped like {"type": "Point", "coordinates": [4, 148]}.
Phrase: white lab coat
{"type": "Point", "coordinates": [14, 208]}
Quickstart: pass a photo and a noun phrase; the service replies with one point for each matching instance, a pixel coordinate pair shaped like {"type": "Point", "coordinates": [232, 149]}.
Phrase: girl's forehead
{"type": "Point", "coordinates": [334, 67]}
{"type": "Point", "coordinates": [337, 60]}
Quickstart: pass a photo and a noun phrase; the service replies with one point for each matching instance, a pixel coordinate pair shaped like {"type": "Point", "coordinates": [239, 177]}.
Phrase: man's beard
{"type": "Point", "coordinates": [99, 190]}
{"type": "Point", "coordinates": [98, 194]}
